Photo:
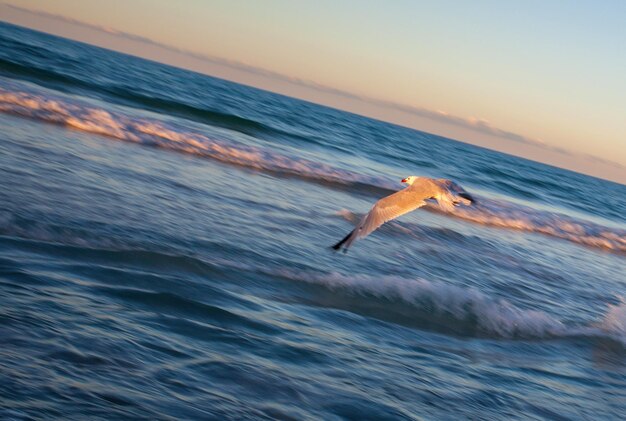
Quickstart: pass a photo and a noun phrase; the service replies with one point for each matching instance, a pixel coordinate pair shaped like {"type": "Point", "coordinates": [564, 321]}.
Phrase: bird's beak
{"type": "Point", "coordinates": [404, 180]}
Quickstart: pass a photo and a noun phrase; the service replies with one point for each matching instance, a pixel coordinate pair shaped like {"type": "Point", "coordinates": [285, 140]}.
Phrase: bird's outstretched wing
{"type": "Point", "coordinates": [447, 194]}
{"type": "Point", "coordinates": [461, 196]}
{"type": "Point", "coordinates": [384, 210]}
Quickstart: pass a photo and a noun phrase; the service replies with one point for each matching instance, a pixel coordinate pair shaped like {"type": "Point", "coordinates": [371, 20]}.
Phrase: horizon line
{"type": "Point", "coordinates": [475, 124]}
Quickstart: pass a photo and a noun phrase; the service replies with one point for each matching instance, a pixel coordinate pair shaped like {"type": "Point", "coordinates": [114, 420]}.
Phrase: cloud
{"type": "Point", "coordinates": [477, 125]}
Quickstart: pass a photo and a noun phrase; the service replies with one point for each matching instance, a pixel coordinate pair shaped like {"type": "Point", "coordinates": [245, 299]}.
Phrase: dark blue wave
{"type": "Point", "coordinates": [127, 96]}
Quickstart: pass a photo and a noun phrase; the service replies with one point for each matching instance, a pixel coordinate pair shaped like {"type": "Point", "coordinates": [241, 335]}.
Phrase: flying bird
{"type": "Point", "coordinates": [447, 194]}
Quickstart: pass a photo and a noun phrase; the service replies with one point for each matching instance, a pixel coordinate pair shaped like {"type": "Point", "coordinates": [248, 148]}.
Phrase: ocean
{"type": "Point", "coordinates": [165, 255]}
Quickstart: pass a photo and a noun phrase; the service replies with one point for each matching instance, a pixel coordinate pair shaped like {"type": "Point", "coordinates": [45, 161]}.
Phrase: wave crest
{"type": "Point", "coordinates": [18, 100]}
{"type": "Point", "coordinates": [459, 310]}
{"type": "Point", "coordinates": [84, 117]}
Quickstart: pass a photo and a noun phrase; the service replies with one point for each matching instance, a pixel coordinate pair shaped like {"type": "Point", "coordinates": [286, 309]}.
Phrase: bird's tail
{"type": "Point", "coordinates": [343, 240]}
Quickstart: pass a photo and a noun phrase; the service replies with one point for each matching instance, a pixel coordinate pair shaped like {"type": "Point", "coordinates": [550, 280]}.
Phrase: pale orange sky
{"type": "Point", "coordinates": [533, 82]}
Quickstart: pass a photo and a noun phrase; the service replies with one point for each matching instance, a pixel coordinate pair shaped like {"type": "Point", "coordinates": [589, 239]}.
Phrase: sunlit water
{"type": "Point", "coordinates": [164, 254]}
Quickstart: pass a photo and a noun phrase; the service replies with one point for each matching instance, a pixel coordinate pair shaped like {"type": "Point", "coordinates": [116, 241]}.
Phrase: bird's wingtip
{"type": "Point", "coordinates": [468, 196]}
{"type": "Point", "coordinates": [337, 246]}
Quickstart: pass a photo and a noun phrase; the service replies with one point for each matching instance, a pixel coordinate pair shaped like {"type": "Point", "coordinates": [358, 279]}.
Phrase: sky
{"type": "Point", "coordinates": [545, 80]}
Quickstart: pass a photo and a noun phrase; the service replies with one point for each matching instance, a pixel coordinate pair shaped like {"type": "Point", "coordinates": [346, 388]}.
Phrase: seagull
{"type": "Point", "coordinates": [446, 192]}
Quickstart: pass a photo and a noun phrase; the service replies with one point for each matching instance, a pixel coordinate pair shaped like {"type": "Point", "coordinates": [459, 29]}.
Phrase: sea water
{"type": "Point", "coordinates": [165, 254]}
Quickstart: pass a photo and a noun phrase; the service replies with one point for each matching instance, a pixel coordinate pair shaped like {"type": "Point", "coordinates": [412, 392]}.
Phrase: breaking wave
{"type": "Point", "coordinates": [502, 214]}
{"type": "Point", "coordinates": [82, 116]}
{"type": "Point", "coordinates": [453, 309]}
{"type": "Point", "coordinates": [129, 95]}
{"type": "Point", "coordinates": [16, 99]}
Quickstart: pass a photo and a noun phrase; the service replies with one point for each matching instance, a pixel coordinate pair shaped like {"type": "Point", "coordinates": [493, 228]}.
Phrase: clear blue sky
{"type": "Point", "coordinates": [551, 72]}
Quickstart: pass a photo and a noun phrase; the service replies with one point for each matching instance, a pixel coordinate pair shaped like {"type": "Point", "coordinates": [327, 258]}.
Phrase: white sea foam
{"type": "Point", "coordinates": [502, 214]}
{"type": "Point", "coordinates": [614, 322]}
{"type": "Point", "coordinates": [21, 100]}
{"type": "Point", "coordinates": [80, 115]}
{"type": "Point", "coordinates": [492, 316]}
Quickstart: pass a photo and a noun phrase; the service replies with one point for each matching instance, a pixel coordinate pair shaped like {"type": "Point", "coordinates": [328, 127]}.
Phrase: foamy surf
{"type": "Point", "coordinates": [465, 308]}
{"type": "Point", "coordinates": [38, 104]}
{"type": "Point", "coordinates": [153, 278]}
{"type": "Point", "coordinates": [80, 115]}
{"type": "Point", "coordinates": [508, 215]}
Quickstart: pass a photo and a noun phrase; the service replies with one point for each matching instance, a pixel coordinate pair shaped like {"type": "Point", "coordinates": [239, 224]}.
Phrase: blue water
{"type": "Point", "coordinates": [164, 254]}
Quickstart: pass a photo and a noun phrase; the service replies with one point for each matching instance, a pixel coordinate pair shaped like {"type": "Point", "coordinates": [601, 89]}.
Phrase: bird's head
{"type": "Point", "coordinates": [410, 180]}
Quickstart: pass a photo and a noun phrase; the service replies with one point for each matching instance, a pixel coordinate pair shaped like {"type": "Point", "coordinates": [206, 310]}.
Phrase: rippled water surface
{"type": "Point", "coordinates": [164, 254]}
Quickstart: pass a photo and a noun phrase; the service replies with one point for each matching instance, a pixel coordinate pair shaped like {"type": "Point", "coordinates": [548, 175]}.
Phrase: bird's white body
{"type": "Point", "coordinates": [445, 192]}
